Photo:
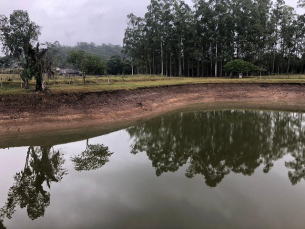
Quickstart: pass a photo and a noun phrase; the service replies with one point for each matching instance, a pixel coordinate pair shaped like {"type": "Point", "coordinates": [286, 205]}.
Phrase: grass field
{"type": "Point", "coordinates": [11, 84]}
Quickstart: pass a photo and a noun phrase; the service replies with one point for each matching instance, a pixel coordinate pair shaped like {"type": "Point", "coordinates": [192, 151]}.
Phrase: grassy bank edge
{"type": "Point", "coordinates": [95, 85]}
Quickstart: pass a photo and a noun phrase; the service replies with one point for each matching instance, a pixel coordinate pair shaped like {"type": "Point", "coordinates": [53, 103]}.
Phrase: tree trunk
{"type": "Point", "coordinates": [273, 65]}
{"type": "Point", "coordinates": [39, 82]}
{"type": "Point", "coordinates": [162, 67]}
{"type": "Point", "coordinates": [216, 61]}
{"type": "Point", "coordinates": [211, 70]}
{"type": "Point", "coordinates": [170, 65]}
{"type": "Point", "coordinates": [220, 74]}
{"type": "Point", "coordinates": [192, 72]}
{"type": "Point", "coordinates": [202, 67]}
{"type": "Point", "coordinates": [26, 83]}
{"type": "Point", "coordinates": [183, 70]}
{"type": "Point", "coordinates": [288, 64]}
{"type": "Point", "coordinates": [154, 63]}
{"type": "Point", "coordinates": [166, 66]}
{"type": "Point", "coordinates": [198, 67]}
{"type": "Point", "coordinates": [180, 64]}
{"type": "Point", "coordinates": [188, 69]}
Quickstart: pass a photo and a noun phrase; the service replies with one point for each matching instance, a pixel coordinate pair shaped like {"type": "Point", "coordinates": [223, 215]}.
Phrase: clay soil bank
{"type": "Point", "coordinates": [22, 114]}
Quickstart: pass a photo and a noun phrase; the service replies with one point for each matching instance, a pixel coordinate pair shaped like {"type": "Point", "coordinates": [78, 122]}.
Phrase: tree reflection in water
{"type": "Point", "coordinates": [1, 224]}
{"type": "Point", "coordinates": [298, 167]}
{"type": "Point", "coordinates": [219, 142]}
{"type": "Point", "coordinates": [94, 157]}
{"type": "Point", "coordinates": [42, 165]}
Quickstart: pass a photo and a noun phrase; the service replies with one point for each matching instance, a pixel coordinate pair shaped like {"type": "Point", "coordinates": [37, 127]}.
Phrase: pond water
{"type": "Point", "coordinates": [212, 169]}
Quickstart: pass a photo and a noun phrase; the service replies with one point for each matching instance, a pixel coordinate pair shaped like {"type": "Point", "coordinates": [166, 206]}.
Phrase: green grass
{"type": "Point", "coordinates": [11, 84]}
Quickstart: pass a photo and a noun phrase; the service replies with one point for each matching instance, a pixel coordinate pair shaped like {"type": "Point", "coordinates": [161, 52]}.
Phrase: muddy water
{"type": "Point", "coordinates": [212, 169]}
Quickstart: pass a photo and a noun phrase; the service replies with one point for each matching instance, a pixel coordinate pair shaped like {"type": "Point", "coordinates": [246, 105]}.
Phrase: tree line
{"type": "Point", "coordinates": [175, 39]}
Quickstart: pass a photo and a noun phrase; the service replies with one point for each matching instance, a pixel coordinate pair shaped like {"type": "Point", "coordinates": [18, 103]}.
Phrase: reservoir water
{"type": "Point", "coordinates": [202, 169]}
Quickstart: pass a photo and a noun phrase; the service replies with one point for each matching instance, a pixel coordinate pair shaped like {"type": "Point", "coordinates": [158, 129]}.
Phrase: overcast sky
{"type": "Point", "coordinates": [71, 21]}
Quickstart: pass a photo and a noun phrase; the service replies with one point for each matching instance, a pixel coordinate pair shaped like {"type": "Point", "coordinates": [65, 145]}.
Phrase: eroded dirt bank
{"type": "Point", "coordinates": [20, 115]}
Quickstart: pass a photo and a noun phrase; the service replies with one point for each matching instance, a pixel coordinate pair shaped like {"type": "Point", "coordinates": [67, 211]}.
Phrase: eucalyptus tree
{"type": "Point", "coordinates": [222, 35]}
{"type": "Point", "coordinates": [171, 34]}
{"type": "Point", "coordinates": [202, 15]}
{"type": "Point", "coordinates": [286, 37]}
{"type": "Point", "coordinates": [262, 30]}
{"type": "Point", "coordinates": [183, 20]}
{"type": "Point", "coordinates": [134, 40]}
{"type": "Point", "coordinates": [215, 30]}
{"type": "Point", "coordinates": [167, 34]}
{"type": "Point", "coordinates": [18, 35]}
{"type": "Point", "coordinates": [299, 44]}
{"type": "Point", "coordinates": [155, 32]}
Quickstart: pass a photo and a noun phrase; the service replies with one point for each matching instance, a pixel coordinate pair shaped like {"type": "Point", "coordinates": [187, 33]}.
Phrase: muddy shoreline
{"type": "Point", "coordinates": [44, 113]}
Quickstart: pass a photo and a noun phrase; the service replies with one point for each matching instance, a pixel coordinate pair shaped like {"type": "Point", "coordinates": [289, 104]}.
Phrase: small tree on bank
{"type": "Point", "coordinates": [86, 63]}
{"type": "Point", "coordinates": [240, 66]}
{"type": "Point", "coordinates": [18, 35]}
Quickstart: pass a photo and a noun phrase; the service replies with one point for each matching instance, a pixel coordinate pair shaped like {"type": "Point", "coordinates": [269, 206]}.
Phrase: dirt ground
{"type": "Point", "coordinates": [47, 112]}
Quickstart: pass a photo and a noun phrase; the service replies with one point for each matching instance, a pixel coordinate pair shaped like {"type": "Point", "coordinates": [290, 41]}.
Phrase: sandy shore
{"type": "Point", "coordinates": [43, 112]}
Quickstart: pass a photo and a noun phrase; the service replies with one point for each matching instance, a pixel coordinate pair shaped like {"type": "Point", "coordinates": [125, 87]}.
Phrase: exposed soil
{"type": "Point", "coordinates": [45, 111]}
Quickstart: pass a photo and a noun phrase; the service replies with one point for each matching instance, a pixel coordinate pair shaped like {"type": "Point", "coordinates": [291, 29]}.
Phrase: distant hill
{"type": "Point", "coordinates": [105, 51]}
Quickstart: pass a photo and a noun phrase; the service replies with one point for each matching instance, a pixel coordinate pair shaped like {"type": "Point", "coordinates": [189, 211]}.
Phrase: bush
{"type": "Point", "coordinates": [240, 66]}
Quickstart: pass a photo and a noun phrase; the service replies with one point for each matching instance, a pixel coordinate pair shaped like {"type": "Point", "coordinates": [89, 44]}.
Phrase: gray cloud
{"type": "Point", "coordinates": [71, 21]}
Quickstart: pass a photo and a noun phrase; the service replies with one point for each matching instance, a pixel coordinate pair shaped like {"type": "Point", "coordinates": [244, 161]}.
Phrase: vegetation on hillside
{"type": "Point", "coordinates": [103, 51]}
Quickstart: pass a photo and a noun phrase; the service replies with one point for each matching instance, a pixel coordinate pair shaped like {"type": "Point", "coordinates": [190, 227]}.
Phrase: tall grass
{"type": "Point", "coordinates": [12, 84]}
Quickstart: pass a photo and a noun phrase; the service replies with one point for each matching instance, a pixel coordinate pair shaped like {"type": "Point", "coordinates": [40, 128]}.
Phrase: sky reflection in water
{"type": "Point", "coordinates": [233, 169]}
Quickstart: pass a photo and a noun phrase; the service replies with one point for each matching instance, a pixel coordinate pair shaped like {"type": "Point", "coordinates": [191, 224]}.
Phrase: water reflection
{"type": "Point", "coordinates": [1, 224]}
{"type": "Point", "coordinates": [211, 144]}
{"type": "Point", "coordinates": [94, 157]}
{"type": "Point", "coordinates": [43, 165]}
{"type": "Point", "coordinates": [217, 143]}
{"type": "Point", "coordinates": [297, 166]}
